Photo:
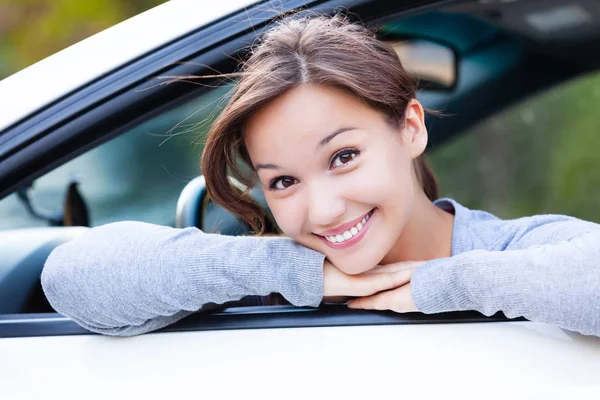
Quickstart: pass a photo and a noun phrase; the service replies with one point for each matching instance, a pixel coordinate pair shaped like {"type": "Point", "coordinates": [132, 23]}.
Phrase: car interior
{"type": "Point", "coordinates": [498, 53]}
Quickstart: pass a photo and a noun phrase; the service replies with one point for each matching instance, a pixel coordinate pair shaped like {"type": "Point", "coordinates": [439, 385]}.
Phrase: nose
{"type": "Point", "coordinates": [325, 205]}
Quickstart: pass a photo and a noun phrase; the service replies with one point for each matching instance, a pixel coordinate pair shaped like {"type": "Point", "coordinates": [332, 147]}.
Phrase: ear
{"type": "Point", "coordinates": [415, 132]}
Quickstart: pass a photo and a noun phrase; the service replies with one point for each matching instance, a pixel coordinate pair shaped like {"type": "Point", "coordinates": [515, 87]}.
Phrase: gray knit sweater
{"type": "Point", "coordinates": [129, 278]}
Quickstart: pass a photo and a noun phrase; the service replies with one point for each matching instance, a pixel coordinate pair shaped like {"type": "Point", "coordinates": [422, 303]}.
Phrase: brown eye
{"type": "Point", "coordinates": [282, 183]}
{"type": "Point", "coordinates": [343, 157]}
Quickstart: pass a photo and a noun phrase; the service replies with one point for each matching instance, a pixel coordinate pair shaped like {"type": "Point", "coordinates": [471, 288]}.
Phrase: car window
{"type": "Point", "coordinates": [539, 156]}
{"type": "Point", "coordinates": [136, 176]}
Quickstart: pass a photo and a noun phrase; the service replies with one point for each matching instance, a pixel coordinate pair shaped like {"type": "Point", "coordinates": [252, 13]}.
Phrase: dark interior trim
{"type": "Point", "coordinates": [259, 317]}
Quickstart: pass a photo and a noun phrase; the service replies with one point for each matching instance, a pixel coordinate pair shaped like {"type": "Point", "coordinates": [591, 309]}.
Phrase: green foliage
{"type": "Point", "coordinates": [31, 30]}
{"type": "Point", "coordinates": [540, 156]}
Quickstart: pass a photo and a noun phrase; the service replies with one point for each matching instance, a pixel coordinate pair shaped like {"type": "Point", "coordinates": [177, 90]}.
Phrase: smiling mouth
{"type": "Point", "coordinates": [349, 233]}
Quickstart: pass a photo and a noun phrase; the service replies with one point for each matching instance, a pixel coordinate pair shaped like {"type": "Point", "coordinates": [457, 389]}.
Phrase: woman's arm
{"type": "Point", "coordinates": [129, 278]}
{"type": "Point", "coordinates": [557, 283]}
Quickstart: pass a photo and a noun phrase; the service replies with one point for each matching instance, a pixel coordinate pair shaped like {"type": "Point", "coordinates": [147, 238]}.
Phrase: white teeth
{"type": "Point", "coordinates": [349, 233]}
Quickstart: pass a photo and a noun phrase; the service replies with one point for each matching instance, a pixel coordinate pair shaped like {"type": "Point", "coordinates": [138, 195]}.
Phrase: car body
{"type": "Point", "coordinates": [94, 91]}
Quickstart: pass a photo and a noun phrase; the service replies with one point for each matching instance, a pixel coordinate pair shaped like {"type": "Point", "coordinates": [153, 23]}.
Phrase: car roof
{"type": "Point", "coordinates": [59, 74]}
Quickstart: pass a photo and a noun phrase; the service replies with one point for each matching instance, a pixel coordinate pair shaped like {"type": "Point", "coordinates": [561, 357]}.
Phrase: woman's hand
{"type": "Point", "coordinates": [384, 287]}
{"type": "Point", "coordinates": [397, 299]}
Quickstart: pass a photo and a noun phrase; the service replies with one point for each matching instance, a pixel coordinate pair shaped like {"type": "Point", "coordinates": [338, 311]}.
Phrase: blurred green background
{"type": "Point", "coordinates": [31, 30]}
{"type": "Point", "coordinates": [539, 156]}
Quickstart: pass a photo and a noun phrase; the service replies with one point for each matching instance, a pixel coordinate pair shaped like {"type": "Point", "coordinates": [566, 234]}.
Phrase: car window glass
{"type": "Point", "coordinates": [136, 176]}
{"type": "Point", "coordinates": [539, 156]}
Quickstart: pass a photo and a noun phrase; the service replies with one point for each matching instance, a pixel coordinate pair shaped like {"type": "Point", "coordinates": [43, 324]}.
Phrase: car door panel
{"type": "Point", "coordinates": [255, 363]}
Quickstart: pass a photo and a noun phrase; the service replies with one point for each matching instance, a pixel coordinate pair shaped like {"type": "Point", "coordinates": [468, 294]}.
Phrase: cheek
{"type": "Point", "coordinates": [289, 215]}
{"type": "Point", "coordinates": [380, 179]}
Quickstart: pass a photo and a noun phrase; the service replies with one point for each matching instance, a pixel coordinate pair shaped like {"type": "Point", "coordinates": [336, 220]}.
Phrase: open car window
{"type": "Point", "coordinates": [135, 176]}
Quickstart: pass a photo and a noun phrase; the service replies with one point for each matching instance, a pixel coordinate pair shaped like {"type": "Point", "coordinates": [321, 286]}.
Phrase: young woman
{"type": "Point", "coordinates": [326, 118]}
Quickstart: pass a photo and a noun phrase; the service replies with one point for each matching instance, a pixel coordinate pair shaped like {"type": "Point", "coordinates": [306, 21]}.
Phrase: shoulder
{"type": "Point", "coordinates": [542, 229]}
{"type": "Point", "coordinates": [497, 234]}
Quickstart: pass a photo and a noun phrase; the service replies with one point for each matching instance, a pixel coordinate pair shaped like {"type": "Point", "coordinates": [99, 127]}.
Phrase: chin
{"type": "Point", "coordinates": [359, 269]}
{"type": "Point", "coordinates": [353, 265]}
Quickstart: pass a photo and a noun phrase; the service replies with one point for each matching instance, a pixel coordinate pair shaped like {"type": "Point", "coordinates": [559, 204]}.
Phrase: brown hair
{"type": "Point", "coordinates": [323, 50]}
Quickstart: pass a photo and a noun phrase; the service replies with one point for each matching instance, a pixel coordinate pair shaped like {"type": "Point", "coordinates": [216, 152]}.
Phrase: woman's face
{"type": "Point", "coordinates": [336, 174]}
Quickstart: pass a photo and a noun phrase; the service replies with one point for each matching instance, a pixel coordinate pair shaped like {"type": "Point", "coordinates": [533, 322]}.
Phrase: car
{"type": "Point", "coordinates": [107, 130]}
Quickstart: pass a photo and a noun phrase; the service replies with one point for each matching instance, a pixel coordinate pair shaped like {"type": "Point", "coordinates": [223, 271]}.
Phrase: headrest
{"type": "Point", "coordinates": [195, 209]}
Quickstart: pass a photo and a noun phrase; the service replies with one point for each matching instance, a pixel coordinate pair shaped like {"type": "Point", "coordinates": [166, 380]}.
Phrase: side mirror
{"type": "Point", "coordinates": [435, 65]}
{"type": "Point", "coordinates": [75, 210]}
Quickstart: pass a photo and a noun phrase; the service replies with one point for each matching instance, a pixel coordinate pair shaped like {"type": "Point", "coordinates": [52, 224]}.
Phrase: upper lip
{"type": "Point", "coordinates": [342, 228]}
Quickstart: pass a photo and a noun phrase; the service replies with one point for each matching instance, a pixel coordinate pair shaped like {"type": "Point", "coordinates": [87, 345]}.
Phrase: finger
{"type": "Point", "coordinates": [368, 284]}
{"type": "Point", "coordinates": [398, 300]}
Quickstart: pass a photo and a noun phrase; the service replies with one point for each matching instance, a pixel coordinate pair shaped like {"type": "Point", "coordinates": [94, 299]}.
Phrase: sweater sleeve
{"type": "Point", "coordinates": [129, 278]}
{"type": "Point", "coordinates": [558, 283]}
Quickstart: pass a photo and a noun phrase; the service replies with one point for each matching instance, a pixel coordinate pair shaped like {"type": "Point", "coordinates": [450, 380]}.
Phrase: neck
{"type": "Point", "coordinates": [427, 234]}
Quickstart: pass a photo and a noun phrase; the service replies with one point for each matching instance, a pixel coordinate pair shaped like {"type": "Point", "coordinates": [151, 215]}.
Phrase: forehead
{"type": "Point", "coordinates": [303, 116]}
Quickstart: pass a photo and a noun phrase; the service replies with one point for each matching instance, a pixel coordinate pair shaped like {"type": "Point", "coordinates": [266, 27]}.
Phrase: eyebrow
{"type": "Point", "coordinates": [328, 138]}
{"type": "Point", "coordinates": [322, 143]}
{"type": "Point", "coordinates": [267, 166]}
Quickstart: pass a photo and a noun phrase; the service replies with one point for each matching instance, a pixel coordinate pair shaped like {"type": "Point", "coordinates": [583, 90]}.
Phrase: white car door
{"type": "Point", "coordinates": [298, 362]}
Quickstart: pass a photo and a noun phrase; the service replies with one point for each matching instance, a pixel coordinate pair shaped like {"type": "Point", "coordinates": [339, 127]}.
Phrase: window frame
{"type": "Point", "coordinates": [255, 317]}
